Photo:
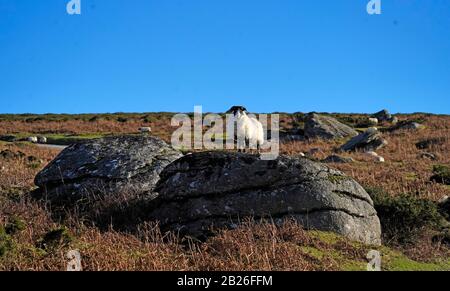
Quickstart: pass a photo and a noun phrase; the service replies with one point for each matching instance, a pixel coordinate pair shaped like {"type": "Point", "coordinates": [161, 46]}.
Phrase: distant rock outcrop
{"type": "Point", "coordinates": [326, 127]}
{"type": "Point", "coordinates": [370, 140]}
{"type": "Point", "coordinates": [428, 143]}
{"type": "Point", "coordinates": [406, 125]}
{"type": "Point", "coordinates": [385, 116]}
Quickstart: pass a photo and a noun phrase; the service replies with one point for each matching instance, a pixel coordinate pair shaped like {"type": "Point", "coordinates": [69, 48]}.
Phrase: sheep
{"type": "Point", "coordinates": [248, 131]}
{"type": "Point", "coordinates": [373, 121]}
{"type": "Point", "coordinates": [32, 139]}
{"type": "Point", "coordinates": [377, 157]}
{"type": "Point", "coordinates": [145, 130]}
{"type": "Point", "coordinates": [42, 139]}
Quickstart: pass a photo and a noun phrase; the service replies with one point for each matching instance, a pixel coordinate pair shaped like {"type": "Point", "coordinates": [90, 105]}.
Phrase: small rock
{"type": "Point", "coordinates": [411, 125]}
{"type": "Point", "coordinates": [406, 125]}
{"type": "Point", "coordinates": [145, 130]}
{"type": "Point", "coordinates": [369, 140]}
{"type": "Point", "coordinates": [429, 156]}
{"type": "Point", "coordinates": [380, 159]}
{"type": "Point", "coordinates": [444, 200]}
{"type": "Point", "coordinates": [372, 154]}
{"type": "Point", "coordinates": [338, 159]}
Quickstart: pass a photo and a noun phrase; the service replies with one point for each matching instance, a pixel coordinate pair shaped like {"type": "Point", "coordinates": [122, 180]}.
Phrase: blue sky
{"type": "Point", "coordinates": [269, 55]}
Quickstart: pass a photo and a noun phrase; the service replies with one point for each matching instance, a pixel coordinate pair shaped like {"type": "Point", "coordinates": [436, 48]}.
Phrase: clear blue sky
{"type": "Point", "coordinates": [269, 55]}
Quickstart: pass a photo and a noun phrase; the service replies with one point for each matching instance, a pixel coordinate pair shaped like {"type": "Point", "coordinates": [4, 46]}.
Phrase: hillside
{"type": "Point", "coordinates": [406, 190]}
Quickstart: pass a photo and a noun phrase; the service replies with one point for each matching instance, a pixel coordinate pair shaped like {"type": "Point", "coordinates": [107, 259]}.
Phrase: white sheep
{"type": "Point", "coordinates": [249, 129]}
{"type": "Point", "coordinates": [377, 157]}
{"type": "Point", "coordinates": [373, 121]}
{"type": "Point", "coordinates": [32, 139]}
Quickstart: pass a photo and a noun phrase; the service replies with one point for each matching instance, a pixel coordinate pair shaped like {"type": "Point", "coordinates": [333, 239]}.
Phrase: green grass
{"type": "Point", "coordinates": [441, 174]}
{"type": "Point", "coordinates": [59, 139]}
{"type": "Point", "coordinates": [70, 139]}
{"type": "Point", "coordinates": [391, 260]}
{"type": "Point", "coordinates": [28, 117]}
{"type": "Point", "coordinates": [395, 261]}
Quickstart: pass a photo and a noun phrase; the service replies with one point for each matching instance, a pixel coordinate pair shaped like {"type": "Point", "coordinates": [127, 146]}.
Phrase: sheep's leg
{"type": "Point", "coordinates": [241, 145]}
{"type": "Point", "coordinates": [247, 145]}
{"type": "Point", "coordinates": [253, 145]}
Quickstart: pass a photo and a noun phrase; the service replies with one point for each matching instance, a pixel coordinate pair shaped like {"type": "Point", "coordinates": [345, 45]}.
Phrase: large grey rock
{"type": "Point", "coordinates": [320, 126]}
{"type": "Point", "coordinates": [370, 140]}
{"type": "Point", "coordinates": [221, 189]}
{"type": "Point", "coordinates": [112, 169]}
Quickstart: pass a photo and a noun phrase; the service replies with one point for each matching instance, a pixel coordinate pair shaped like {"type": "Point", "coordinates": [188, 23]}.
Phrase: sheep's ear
{"type": "Point", "coordinates": [232, 110]}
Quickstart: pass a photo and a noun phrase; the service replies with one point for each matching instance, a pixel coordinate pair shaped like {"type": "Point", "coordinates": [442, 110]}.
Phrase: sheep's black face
{"type": "Point", "coordinates": [237, 109]}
